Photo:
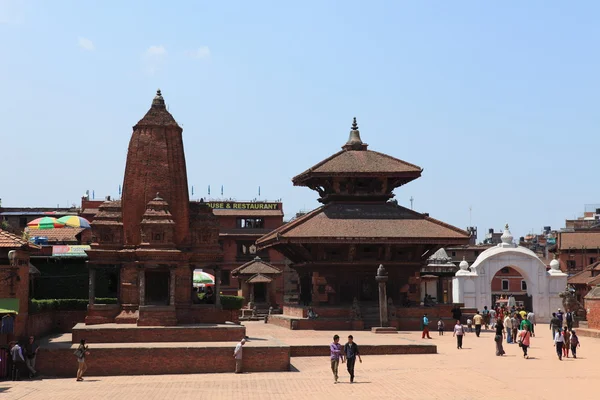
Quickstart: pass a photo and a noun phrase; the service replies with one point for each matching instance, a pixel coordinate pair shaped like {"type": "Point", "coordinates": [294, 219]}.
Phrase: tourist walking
{"type": "Point", "coordinates": [560, 316]}
{"type": "Point", "coordinates": [526, 323]}
{"type": "Point", "coordinates": [486, 317]}
{"type": "Point", "coordinates": [237, 354]}
{"type": "Point", "coordinates": [459, 332]}
{"type": "Point", "coordinates": [351, 352]}
{"type": "Point", "coordinates": [559, 341]}
{"type": "Point", "coordinates": [18, 361]}
{"type": "Point", "coordinates": [531, 318]}
{"type": "Point", "coordinates": [80, 353]}
{"type": "Point", "coordinates": [425, 327]}
{"type": "Point", "coordinates": [508, 326]}
{"type": "Point", "coordinates": [499, 337]}
{"type": "Point", "coordinates": [477, 320]}
{"type": "Point", "coordinates": [515, 323]}
{"type": "Point", "coordinates": [574, 343]}
{"type": "Point", "coordinates": [569, 319]}
{"type": "Point", "coordinates": [335, 350]}
{"type": "Point", "coordinates": [555, 325]}
{"type": "Point", "coordinates": [525, 340]}
{"type": "Point", "coordinates": [440, 327]}
{"type": "Point", "coordinates": [566, 342]}
{"type": "Point", "coordinates": [31, 350]}
{"type": "Point", "coordinates": [470, 325]}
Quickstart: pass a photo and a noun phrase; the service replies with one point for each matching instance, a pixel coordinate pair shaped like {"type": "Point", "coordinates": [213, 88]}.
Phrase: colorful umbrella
{"type": "Point", "coordinates": [202, 277]}
{"type": "Point", "coordinates": [45, 223]}
{"type": "Point", "coordinates": [74, 221]}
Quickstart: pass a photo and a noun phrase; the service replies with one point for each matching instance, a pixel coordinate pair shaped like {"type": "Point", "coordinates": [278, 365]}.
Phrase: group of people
{"type": "Point", "coordinates": [23, 358]}
{"type": "Point", "coordinates": [515, 326]}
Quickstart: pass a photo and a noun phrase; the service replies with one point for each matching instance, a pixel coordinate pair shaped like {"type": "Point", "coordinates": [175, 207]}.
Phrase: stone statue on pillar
{"type": "Point", "coordinates": [382, 279]}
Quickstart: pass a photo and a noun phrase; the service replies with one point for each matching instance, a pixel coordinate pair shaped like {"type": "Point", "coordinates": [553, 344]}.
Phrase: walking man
{"type": "Point", "coordinates": [237, 354]}
{"type": "Point", "coordinates": [16, 352]}
{"type": "Point", "coordinates": [425, 327]}
{"type": "Point", "coordinates": [477, 320]}
{"type": "Point", "coordinates": [569, 319]}
{"type": "Point", "coordinates": [560, 316]}
{"type": "Point", "coordinates": [31, 350]}
{"type": "Point", "coordinates": [508, 326]}
{"type": "Point", "coordinates": [515, 326]}
{"type": "Point", "coordinates": [531, 318]}
{"type": "Point", "coordinates": [486, 317]}
{"type": "Point", "coordinates": [559, 340]}
{"type": "Point", "coordinates": [351, 352]}
{"type": "Point", "coordinates": [335, 350]}
{"type": "Point", "coordinates": [555, 325]}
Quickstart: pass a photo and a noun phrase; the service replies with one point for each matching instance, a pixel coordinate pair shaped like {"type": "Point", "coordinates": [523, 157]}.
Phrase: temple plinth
{"type": "Point", "coordinates": [336, 247]}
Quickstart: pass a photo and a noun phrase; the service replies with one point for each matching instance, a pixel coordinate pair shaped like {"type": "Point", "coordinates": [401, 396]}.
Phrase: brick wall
{"type": "Point", "coordinates": [167, 360]}
{"type": "Point", "coordinates": [232, 333]}
{"type": "Point", "coordinates": [42, 324]}
{"type": "Point", "coordinates": [365, 349]}
{"type": "Point", "coordinates": [593, 315]}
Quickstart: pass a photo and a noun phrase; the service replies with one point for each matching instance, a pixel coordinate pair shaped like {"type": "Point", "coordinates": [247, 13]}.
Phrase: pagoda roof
{"type": "Point", "coordinates": [259, 278]}
{"type": "Point", "coordinates": [355, 160]}
{"type": "Point", "coordinates": [337, 222]}
{"type": "Point", "coordinates": [256, 266]}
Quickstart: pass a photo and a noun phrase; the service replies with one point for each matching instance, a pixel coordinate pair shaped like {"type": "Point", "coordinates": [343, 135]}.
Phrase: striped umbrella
{"type": "Point", "coordinates": [202, 277]}
{"type": "Point", "coordinates": [73, 221]}
{"type": "Point", "coordinates": [45, 223]}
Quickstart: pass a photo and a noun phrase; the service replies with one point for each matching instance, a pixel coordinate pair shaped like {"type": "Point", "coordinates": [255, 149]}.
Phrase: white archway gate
{"type": "Point", "coordinates": [473, 287]}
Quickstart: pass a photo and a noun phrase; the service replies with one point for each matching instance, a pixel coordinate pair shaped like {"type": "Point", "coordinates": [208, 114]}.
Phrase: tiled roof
{"type": "Point", "coordinates": [347, 221]}
{"type": "Point", "coordinates": [90, 211]}
{"type": "Point", "coordinates": [57, 234]}
{"type": "Point", "coordinates": [10, 241]}
{"type": "Point", "coordinates": [578, 240]}
{"type": "Point", "coordinates": [357, 162]}
{"type": "Point", "coordinates": [585, 277]}
{"type": "Point", "coordinates": [248, 213]}
{"type": "Point", "coordinates": [258, 278]}
{"type": "Point", "coordinates": [256, 266]}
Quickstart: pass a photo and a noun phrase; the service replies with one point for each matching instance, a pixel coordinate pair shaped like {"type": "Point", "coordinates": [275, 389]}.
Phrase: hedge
{"type": "Point", "coordinates": [37, 306]}
{"type": "Point", "coordinates": [232, 302]}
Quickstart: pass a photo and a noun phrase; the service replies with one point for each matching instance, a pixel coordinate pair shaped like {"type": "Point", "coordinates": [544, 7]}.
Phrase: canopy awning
{"type": "Point", "coordinates": [9, 306]}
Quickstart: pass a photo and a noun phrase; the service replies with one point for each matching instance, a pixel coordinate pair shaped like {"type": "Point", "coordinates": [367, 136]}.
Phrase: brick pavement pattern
{"type": "Point", "coordinates": [472, 373]}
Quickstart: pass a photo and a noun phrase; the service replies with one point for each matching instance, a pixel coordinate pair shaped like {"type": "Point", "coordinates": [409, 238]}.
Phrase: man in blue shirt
{"type": "Point", "coordinates": [560, 316]}
{"type": "Point", "coordinates": [351, 352]}
{"type": "Point", "coordinates": [425, 327]}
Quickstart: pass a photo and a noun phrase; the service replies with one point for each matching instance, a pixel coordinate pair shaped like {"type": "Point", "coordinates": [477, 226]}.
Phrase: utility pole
{"type": "Point", "coordinates": [411, 202]}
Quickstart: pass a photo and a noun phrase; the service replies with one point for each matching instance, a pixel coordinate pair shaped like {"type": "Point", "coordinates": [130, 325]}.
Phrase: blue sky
{"type": "Point", "coordinates": [497, 101]}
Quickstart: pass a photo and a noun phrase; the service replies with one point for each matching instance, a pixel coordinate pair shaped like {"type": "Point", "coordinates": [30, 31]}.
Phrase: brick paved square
{"type": "Point", "coordinates": [472, 373]}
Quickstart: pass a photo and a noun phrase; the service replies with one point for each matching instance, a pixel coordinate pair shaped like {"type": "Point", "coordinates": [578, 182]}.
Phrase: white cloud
{"type": "Point", "coordinates": [154, 58]}
{"type": "Point", "coordinates": [86, 44]}
{"type": "Point", "coordinates": [202, 52]}
{"type": "Point", "coordinates": [156, 51]}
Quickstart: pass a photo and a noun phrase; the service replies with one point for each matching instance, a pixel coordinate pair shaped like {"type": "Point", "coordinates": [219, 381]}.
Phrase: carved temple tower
{"type": "Point", "coordinates": [154, 237]}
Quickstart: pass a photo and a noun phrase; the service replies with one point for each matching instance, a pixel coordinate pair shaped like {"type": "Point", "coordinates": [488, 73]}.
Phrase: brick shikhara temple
{"type": "Point", "coordinates": [337, 247]}
{"type": "Point", "coordinates": [154, 237]}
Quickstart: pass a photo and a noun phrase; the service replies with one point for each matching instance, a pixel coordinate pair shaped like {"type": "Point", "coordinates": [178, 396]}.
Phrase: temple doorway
{"type": "Point", "coordinates": [157, 288]}
{"type": "Point", "coordinates": [260, 292]}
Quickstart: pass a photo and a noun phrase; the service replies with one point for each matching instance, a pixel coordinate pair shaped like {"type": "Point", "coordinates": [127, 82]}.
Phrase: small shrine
{"type": "Point", "coordinates": [256, 282]}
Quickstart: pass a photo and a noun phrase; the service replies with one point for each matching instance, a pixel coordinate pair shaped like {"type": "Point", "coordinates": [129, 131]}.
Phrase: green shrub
{"type": "Point", "coordinates": [38, 306]}
{"type": "Point", "coordinates": [232, 302]}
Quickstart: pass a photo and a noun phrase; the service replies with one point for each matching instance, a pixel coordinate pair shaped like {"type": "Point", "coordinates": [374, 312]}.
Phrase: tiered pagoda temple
{"type": "Point", "coordinates": [154, 236]}
{"type": "Point", "coordinates": [337, 247]}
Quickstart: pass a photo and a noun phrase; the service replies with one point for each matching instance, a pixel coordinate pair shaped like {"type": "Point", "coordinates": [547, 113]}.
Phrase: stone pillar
{"type": "Point", "coordinates": [92, 284]}
{"type": "Point", "coordinates": [217, 271]}
{"type": "Point", "coordinates": [142, 286]}
{"type": "Point", "coordinates": [382, 279]}
{"type": "Point", "coordinates": [172, 280]}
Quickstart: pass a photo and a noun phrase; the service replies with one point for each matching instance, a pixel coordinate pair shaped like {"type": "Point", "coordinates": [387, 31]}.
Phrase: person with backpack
{"type": "Point", "coordinates": [80, 353]}
{"type": "Point", "coordinates": [574, 343]}
{"type": "Point", "coordinates": [459, 332]}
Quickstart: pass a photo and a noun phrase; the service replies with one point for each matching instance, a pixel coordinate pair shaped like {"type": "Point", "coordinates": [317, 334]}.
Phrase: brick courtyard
{"type": "Point", "coordinates": [474, 372]}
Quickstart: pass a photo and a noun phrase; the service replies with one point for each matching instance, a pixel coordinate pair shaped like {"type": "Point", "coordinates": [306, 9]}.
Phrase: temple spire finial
{"type": "Point", "coordinates": [158, 101]}
{"type": "Point", "coordinates": [354, 141]}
